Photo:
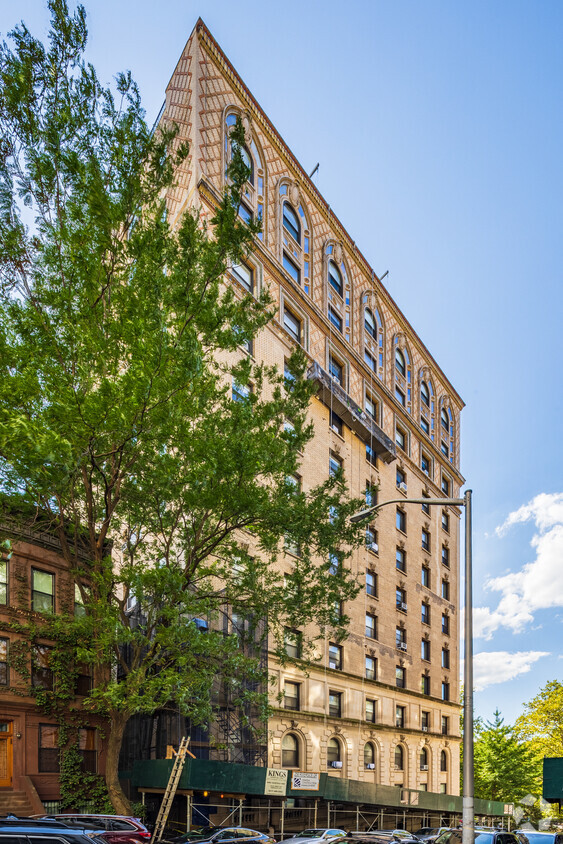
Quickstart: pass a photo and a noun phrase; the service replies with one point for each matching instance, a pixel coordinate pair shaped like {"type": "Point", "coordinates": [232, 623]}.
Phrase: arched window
{"type": "Point", "coordinates": [295, 239]}
{"type": "Point", "coordinates": [400, 362]}
{"type": "Point", "coordinates": [290, 751]}
{"type": "Point", "coordinates": [333, 751]}
{"type": "Point", "coordinates": [425, 394]}
{"type": "Point", "coordinates": [399, 758]}
{"type": "Point", "coordinates": [335, 278]}
{"type": "Point", "coordinates": [403, 374]}
{"type": "Point", "coordinates": [253, 199]}
{"type": "Point", "coordinates": [446, 431]}
{"type": "Point", "coordinates": [427, 403]}
{"type": "Point", "coordinates": [373, 336]}
{"type": "Point", "coordinates": [337, 292]}
{"type": "Point", "coordinates": [369, 755]}
{"type": "Point", "coordinates": [443, 761]}
{"type": "Point", "coordinates": [424, 759]}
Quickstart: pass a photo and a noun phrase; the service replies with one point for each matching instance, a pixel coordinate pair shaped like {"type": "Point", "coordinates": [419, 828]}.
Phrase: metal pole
{"type": "Point", "coordinates": [328, 813]}
{"type": "Point", "coordinates": [240, 811]}
{"type": "Point", "coordinates": [282, 819]}
{"type": "Point", "coordinates": [315, 821]}
{"type": "Point", "coordinates": [468, 768]}
{"type": "Point", "coordinates": [188, 812]}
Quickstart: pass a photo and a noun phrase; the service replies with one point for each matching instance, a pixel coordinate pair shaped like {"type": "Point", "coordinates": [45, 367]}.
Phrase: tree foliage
{"type": "Point", "coordinates": [119, 346]}
{"type": "Point", "coordinates": [506, 768]}
{"type": "Point", "coordinates": [542, 720]}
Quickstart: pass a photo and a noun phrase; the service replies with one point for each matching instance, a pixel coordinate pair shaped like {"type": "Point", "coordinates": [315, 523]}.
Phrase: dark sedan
{"type": "Point", "coordinates": [481, 836]}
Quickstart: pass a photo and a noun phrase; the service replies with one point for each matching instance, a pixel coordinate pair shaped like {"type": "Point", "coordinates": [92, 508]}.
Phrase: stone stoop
{"type": "Point", "coordinates": [15, 803]}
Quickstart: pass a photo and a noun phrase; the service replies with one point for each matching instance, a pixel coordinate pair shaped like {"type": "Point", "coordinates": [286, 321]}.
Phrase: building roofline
{"type": "Point", "coordinates": [203, 31]}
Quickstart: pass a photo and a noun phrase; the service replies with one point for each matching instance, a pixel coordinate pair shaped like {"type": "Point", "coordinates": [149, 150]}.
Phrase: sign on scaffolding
{"type": "Point", "coordinates": [305, 781]}
{"type": "Point", "coordinates": [276, 782]}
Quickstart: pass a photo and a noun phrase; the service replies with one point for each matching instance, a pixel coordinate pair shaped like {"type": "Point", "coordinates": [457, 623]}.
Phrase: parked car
{"type": "Point", "coordinates": [225, 835]}
{"type": "Point", "coordinates": [38, 831]}
{"type": "Point", "coordinates": [382, 836]}
{"type": "Point", "coordinates": [530, 836]}
{"type": "Point", "coordinates": [116, 829]}
{"type": "Point", "coordinates": [315, 836]}
{"type": "Point", "coordinates": [429, 834]}
{"type": "Point", "coordinates": [486, 835]}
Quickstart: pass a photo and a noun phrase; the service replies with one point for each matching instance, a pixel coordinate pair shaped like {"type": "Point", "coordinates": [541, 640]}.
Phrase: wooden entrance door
{"type": "Point", "coordinates": [6, 760]}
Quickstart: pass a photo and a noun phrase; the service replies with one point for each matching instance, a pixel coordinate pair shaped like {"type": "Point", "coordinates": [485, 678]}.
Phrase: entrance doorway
{"type": "Point", "coordinates": [6, 759]}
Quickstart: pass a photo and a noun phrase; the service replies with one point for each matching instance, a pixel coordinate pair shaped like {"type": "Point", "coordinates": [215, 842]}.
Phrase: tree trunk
{"type": "Point", "coordinates": [119, 801]}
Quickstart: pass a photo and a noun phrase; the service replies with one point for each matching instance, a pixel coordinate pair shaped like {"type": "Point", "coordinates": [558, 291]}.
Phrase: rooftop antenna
{"type": "Point", "coordinates": [381, 277]}
{"type": "Point", "coordinates": [315, 170]}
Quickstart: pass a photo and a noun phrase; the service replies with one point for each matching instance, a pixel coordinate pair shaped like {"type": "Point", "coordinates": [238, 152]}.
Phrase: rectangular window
{"type": "Point", "coordinates": [424, 425]}
{"type": "Point", "coordinates": [245, 213]}
{"type": "Point", "coordinates": [445, 556]}
{"type": "Point", "coordinates": [400, 396]}
{"type": "Point", "coordinates": [3, 582]}
{"type": "Point", "coordinates": [370, 711]}
{"type": "Point", "coordinates": [401, 598]}
{"type": "Point", "coordinates": [292, 643]}
{"type": "Point", "coordinates": [292, 324]}
{"type": "Point", "coordinates": [334, 464]}
{"type": "Point", "coordinates": [400, 438]}
{"type": "Point", "coordinates": [425, 463]}
{"type": "Point", "coordinates": [401, 480]}
{"type": "Point", "coordinates": [425, 538]}
{"type": "Point", "coordinates": [336, 370]}
{"type": "Point", "coordinates": [335, 704]}
{"type": "Point", "coordinates": [291, 269]}
{"type": "Point", "coordinates": [370, 361]}
{"type": "Point", "coordinates": [335, 656]}
{"type": "Point", "coordinates": [87, 750]}
{"type": "Point", "coordinates": [446, 590]}
{"type": "Point", "coordinates": [445, 624]}
{"type": "Point", "coordinates": [335, 319]}
{"type": "Point", "coordinates": [79, 608]}
{"type": "Point", "coordinates": [41, 674]}
{"type": "Point", "coordinates": [336, 423]}
{"type": "Point", "coordinates": [333, 563]}
{"type": "Point", "coordinates": [371, 626]}
{"type": "Point", "coordinates": [370, 494]}
{"type": "Point", "coordinates": [83, 685]}
{"type": "Point", "coordinates": [425, 721]}
{"type": "Point", "coordinates": [401, 520]}
{"type": "Point", "coordinates": [244, 275]}
{"type": "Point", "coordinates": [399, 716]}
{"type": "Point", "coordinates": [371, 583]}
{"type": "Point", "coordinates": [291, 695]}
{"type": "Point", "coordinates": [425, 576]}
{"type": "Point", "coordinates": [445, 691]}
{"type": "Point", "coordinates": [400, 677]}
{"type": "Point", "coordinates": [42, 591]}
{"type": "Point", "coordinates": [425, 613]}
{"type": "Point", "coordinates": [425, 650]}
{"type": "Point", "coordinates": [372, 407]}
{"type": "Point", "coordinates": [401, 638]}
{"type": "Point", "coordinates": [371, 455]}
{"type": "Point", "coordinates": [241, 392]}
{"type": "Point", "coordinates": [401, 559]}
{"type": "Point", "coordinates": [425, 684]}
{"type": "Point", "coordinates": [445, 521]}
{"type": "Point", "coordinates": [371, 668]}
{"type": "Point", "coordinates": [445, 725]}
{"type": "Point", "coordinates": [444, 448]}
{"type": "Point", "coordinates": [48, 749]}
{"type": "Point", "coordinates": [445, 658]}
{"type": "Point", "coordinates": [445, 486]}
{"type": "Point", "coordinates": [426, 507]}
{"type": "Point", "coordinates": [4, 673]}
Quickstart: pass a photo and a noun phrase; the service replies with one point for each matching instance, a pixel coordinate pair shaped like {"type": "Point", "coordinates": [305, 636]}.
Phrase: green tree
{"type": "Point", "coordinates": [119, 349]}
{"type": "Point", "coordinates": [506, 769]}
{"type": "Point", "coordinates": [542, 720]}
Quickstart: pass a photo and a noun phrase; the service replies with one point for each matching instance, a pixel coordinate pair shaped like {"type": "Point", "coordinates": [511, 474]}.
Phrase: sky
{"type": "Point", "coordinates": [438, 130]}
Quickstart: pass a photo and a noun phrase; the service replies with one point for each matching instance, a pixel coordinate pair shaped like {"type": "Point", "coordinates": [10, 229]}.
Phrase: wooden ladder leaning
{"type": "Point", "coordinates": [171, 788]}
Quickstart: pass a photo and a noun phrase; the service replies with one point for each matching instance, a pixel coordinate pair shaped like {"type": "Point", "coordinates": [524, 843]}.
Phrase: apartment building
{"type": "Point", "coordinates": [382, 706]}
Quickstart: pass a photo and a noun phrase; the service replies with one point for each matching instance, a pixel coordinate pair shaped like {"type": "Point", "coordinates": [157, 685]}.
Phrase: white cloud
{"type": "Point", "coordinates": [538, 584]}
{"type": "Point", "coordinates": [499, 666]}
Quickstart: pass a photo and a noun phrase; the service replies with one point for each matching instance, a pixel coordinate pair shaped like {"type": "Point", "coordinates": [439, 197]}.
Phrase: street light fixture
{"type": "Point", "coordinates": [468, 816]}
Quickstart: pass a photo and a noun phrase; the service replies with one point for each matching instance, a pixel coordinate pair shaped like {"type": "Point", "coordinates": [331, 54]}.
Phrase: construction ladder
{"type": "Point", "coordinates": [170, 792]}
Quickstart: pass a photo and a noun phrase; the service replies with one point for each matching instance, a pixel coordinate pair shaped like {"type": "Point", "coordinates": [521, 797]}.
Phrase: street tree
{"type": "Point", "coordinates": [506, 768]}
{"type": "Point", "coordinates": [542, 720]}
{"type": "Point", "coordinates": [120, 357]}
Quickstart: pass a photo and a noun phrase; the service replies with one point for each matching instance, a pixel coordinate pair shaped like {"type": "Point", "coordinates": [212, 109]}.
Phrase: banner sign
{"type": "Point", "coordinates": [301, 781]}
{"type": "Point", "coordinates": [276, 782]}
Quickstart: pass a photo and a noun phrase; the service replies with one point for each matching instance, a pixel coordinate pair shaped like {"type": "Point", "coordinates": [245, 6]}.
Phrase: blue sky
{"type": "Point", "coordinates": [439, 131]}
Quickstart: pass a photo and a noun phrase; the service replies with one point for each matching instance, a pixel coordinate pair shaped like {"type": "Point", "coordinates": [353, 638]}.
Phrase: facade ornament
{"type": "Point", "coordinates": [338, 253]}
{"type": "Point", "coordinates": [401, 340]}
{"type": "Point", "coordinates": [294, 194]}
{"type": "Point", "coordinates": [247, 127]}
{"type": "Point", "coordinates": [294, 725]}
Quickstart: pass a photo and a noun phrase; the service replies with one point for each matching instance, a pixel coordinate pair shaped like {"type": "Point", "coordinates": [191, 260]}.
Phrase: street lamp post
{"type": "Point", "coordinates": [468, 770]}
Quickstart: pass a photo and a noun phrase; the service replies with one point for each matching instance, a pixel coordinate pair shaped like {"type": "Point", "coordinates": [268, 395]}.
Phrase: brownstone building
{"type": "Point", "coordinates": [383, 706]}
{"type": "Point", "coordinates": [34, 579]}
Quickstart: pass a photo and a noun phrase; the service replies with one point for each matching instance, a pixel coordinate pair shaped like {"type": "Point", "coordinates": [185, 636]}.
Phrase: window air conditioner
{"type": "Point", "coordinates": [370, 766]}
{"type": "Point", "coordinates": [403, 606]}
{"type": "Point", "coordinates": [425, 729]}
{"type": "Point", "coordinates": [402, 486]}
{"type": "Point", "coordinates": [336, 764]}
{"type": "Point", "coordinates": [373, 546]}
{"type": "Point", "coordinates": [424, 767]}
{"type": "Point", "coordinates": [402, 646]}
